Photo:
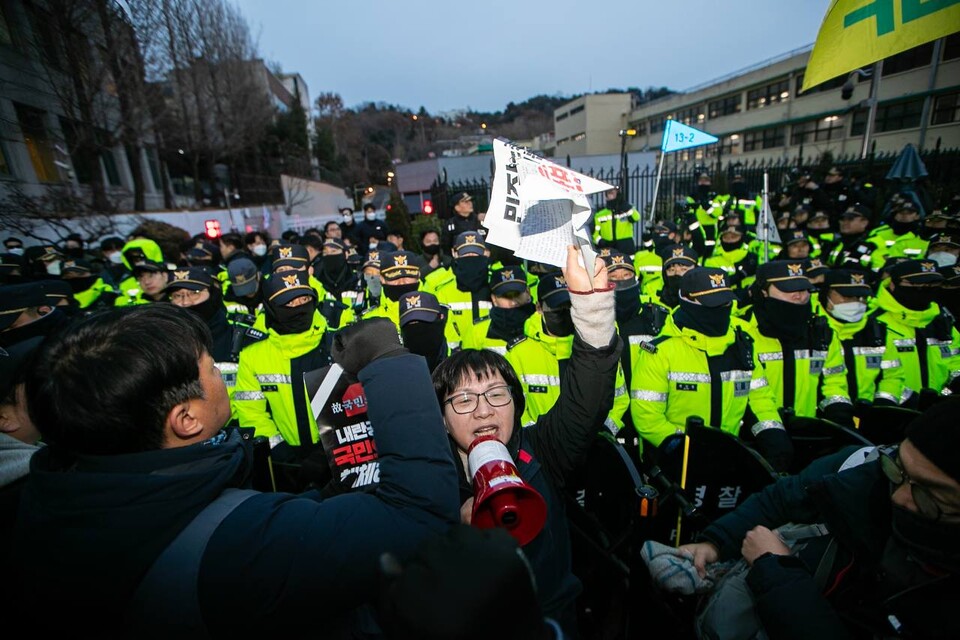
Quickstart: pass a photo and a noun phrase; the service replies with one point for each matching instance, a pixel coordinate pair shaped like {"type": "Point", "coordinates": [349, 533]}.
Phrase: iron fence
{"type": "Point", "coordinates": [679, 179]}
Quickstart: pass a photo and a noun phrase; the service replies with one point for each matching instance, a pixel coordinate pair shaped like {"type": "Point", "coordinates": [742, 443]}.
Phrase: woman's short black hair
{"type": "Point", "coordinates": [107, 383]}
{"type": "Point", "coordinates": [483, 363]}
{"type": "Point", "coordinates": [252, 236]}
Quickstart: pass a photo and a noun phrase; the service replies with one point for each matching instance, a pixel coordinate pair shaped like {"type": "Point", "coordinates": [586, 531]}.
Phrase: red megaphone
{"type": "Point", "coordinates": [501, 497]}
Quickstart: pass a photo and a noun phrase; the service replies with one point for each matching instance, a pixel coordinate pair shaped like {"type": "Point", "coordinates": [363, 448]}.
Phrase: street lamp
{"type": "Point", "coordinates": [624, 134]}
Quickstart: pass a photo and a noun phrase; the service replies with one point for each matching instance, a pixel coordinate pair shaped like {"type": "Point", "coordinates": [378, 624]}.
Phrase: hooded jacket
{"type": "Point", "coordinates": [91, 526]}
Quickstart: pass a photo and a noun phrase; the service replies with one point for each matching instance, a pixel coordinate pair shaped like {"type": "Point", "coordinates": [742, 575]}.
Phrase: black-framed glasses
{"type": "Point", "coordinates": [467, 401]}
{"type": "Point", "coordinates": [892, 468]}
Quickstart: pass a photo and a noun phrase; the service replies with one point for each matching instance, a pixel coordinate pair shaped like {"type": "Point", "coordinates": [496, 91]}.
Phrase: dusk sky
{"type": "Point", "coordinates": [482, 55]}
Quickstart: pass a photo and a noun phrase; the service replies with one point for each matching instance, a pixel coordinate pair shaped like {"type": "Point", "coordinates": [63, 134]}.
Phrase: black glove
{"type": "Point", "coordinates": [358, 345]}
{"type": "Point", "coordinates": [841, 413]}
{"type": "Point", "coordinates": [884, 402]}
{"type": "Point", "coordinates": [469, 583]}
{"type": "Point", "coordinates": [776, 447]}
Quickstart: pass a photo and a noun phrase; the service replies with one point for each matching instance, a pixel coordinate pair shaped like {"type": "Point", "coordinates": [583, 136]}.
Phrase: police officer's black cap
{"type": "Point", "coordinates": [796, 235]}
{"type": "Point", "coordinates": [281, 288]}
{"type": "Point", "coordinates": [17, 298]}
{"type": "Point", "coordinates": [419, 306]}
{"type": "Point", "coordinates": [469, 243]}
{"type": "Point", "coordinates": [676, 253]}
{"type": "Point", "coordinates": [916, 272]}
{"type": "Point", "coordinates": [819, 213]}
{"type": "Point", "coordinates": [82, 267]}
{"type": "Point", "coordinates": [354, 258]}
{"type": "Point", "coordinates": [665, 226]}
{"type": "Point", "coordinates": [333, 243]}
{"type": "Point", "coordinates": [950, 239]}
{"type": "Point", "coordinates": [460, 197]}
{"type": "Point", "coordinates": [9, 262]}
{"type": "Point", "coordinates": [552, 290]}
{"type": "Point", "coordinates": [508, 280]}
{"type": "Point", "coordinates": [815, 267]}
{"type": "Point", "coordinates": [385, 247]}
{"type": "Point", "coordinates": [802, 208]}
{"type": "Point", "coordinates": [201, 251]}
{"type": "Point", "coordinates": [848, 282]}
{"type": "Point", "coordinates": [55, 291]}
{"type": "Point", "coordinates": [614, 259]}
{"type": "Point", "coordinates": [289, 255]}
{"type": "Point", "coordinates": [190, 278]}
{"type": "Point", "coordinates": [785, 275]}
{"type": "Point", "coordinates": [41, 253]}
{"type": "Point", "coordinates": [708, 286]}
{"type": "Point", "coordinates": [906, 205]}
{"type": "Point", "coordinates": [399, 264]}
{"type": "Point", "coordinates": [148, 265]}
{"type": "Point", "coordinates": [372, 259]}
{"type": "Point", "coordinates": [857, 210]}
{"type": "Point", "coordinates": [951, 276]}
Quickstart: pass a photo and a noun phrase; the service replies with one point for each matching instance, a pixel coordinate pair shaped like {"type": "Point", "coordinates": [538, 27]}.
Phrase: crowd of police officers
{"type": "Point", "coordinates": [854, 307]}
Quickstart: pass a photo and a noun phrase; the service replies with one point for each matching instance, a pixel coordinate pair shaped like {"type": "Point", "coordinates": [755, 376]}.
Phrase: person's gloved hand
{"type": "Point", "coordinates": [357, 345]}
{"type": "Point", "coordinates": [776, 447]}
{"type": "Point", "coordinates": [840, 413]}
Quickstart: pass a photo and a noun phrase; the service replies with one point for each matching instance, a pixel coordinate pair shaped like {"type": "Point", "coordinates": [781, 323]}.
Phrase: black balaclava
{"type": "Point", "coordinates": [710, 321]}
{"type": "Point", "coordinates": [557, 321]}
{"type": "Point", "coordinates": [901, 228]}
{"type": "Point", "coordinates": [670, 294]}
{"type": "Point", "coordinates": [661, 240]}
{"type": "Point", "coordinates": [332, 271]}
{"type": "Point", "coordinates": [915, 298]}
{"type": "Point", "coordinates": [394, 291]}
{"type": "Point", "coordinates": [731, 246]}
{"type": "Point", "coordinates": [781, 319]}
{"type": "Point", "coordinates": [209, 307]}
{"type": "Point", "coordinates": [627, 299]}
{"type": "Point", "coordinates": [290, 320]}
{"type": "Point", "coordinates": [507, 324]}
{"type": "Point", "coordinates": [79, 285]}
{"type": "Point", "coordinates": [472, 273]}
{"type": "Point", "coordinates": [426, 339]}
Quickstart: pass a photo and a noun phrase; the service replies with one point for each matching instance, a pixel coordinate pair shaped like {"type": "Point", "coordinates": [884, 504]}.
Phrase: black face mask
{"type": "Point", "coordinates": [507, 324]}
{"type": "Point", "coordinates": [394, 291]}
{"type": "Point", "coordinates": [928, 232]}
{"type": "Point", "coordinates": [289, 320]}
{"type": "Point", "coordinates": [927, 540]}
{"type": "Point", "coordinates": [915, 298]}
{"type": "Point", "coordinates": [782, 320]}
{"type": "Point", "coordinates": [731, 246]}
{"type": "Point", "coordinates": [710, 321]}
{"type": "Point", "coordinates": [558, 322]}
{"type": "Point", "coordinates": [426, 339]}
{"type": "Point", "coordinates": [333, 264]}
{"type": "Point", "coordinates": [670, 294]}
{"type": "Point", "coordinates": [209, 307]}
{"type": "Point", "coordinates": [661, 240]}
{"type": "Point", "coordinates": [626, 299]}
{"type": "Point", "coordinates": [79, 285]}
{"type": "Point", "coordinates": [75, 252]}
{"type": "Point", "coordinates": [472, 273]}
{"type": "Point", "coordinates": [901, 228]}
{"type": "Point", "coordinates": [431, 249]}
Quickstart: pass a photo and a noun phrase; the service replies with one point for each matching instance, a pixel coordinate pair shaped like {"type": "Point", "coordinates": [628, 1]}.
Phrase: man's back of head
{"type": "Point", "coordinates": [107, 385]}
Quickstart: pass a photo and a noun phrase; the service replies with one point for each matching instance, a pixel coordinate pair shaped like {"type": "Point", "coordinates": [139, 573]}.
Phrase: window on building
{"type": "Point", "coordinates": [770, 94]}
{"type": "Point", "coordinates": [153, 160]}
{"type": "Point", "coordinates": [951, 47]}
{"type": "Point", "coordinates": [729, 144]}
{"type": "Point", "coordinates": [829, 85]}
{"type": "Point", "coordinates": [819, 130]}
{"type": "Point", "coordinates": [890, 117]}
{"type": "Point", "coordinates": [657, 124]}
{"type": "Point", "coordinates": [109, 158]}
{"type": "Point", "coordinates": [769, 138]}
{"type": "Point", "coordinates": [697, 153]}
{"type": "Point", "coordinates": [640, 127]}
{"type": "Point", "coordinates": [577, 110]}
{"type": "Point", "coordinates": [37, 142]}
{"type": "Point", "coordinates": [946, 109]}
{"type": "Point", "coordinates": [691, 116]}
{"type": "Point", "coordinates": [82, 170]}
{"type": "Point", "coordinates": [725, 106]}
{"type": "Point", "coordinates": [909, 59]}
{"type": "Point", "coordinates": [579, 136]}
{"type": "Point", "coordinates": [562, 116]}
{"type": "Point", "coordinates": [45, 40]}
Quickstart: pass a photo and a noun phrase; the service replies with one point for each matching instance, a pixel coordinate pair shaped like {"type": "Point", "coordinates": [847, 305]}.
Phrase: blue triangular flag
{"type": "Point", "coordinates": [677, 136]}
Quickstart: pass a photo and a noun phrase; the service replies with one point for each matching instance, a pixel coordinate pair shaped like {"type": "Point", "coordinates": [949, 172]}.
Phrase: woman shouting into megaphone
{"type": "Point", "coordinates": [513, 477]}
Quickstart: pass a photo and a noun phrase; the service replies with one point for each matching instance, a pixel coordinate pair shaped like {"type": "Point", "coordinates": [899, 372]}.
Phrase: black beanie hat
{"type": "Point", "coordinates": [935, 434]}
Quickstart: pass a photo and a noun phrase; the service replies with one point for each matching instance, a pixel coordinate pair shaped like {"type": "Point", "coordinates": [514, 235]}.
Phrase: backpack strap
{"type": "Point", "coordinates": [167, 598]}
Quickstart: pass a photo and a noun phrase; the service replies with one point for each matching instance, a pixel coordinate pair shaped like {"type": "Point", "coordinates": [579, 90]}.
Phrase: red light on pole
{"type": "Point", "coordinates": [211, 228]}
{"type": "Point", "coordinates": [427, 207]}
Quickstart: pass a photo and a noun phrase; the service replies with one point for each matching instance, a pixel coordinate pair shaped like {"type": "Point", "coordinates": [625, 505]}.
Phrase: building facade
{"type": "Point", "coordinates": [590, 125]}
{"type": "Point", "coordinates": [760, 113]}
